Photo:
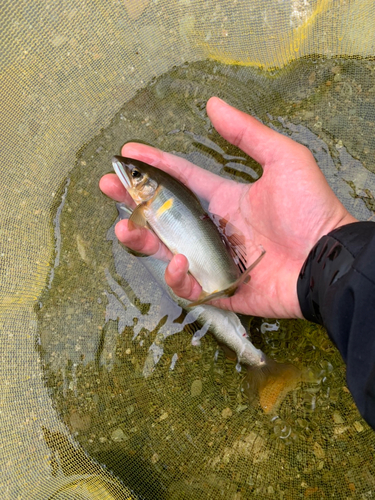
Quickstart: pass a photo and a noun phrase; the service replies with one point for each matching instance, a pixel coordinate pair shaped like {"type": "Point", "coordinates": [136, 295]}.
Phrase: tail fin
{"type": "Point", "coordinates": [270, 383]}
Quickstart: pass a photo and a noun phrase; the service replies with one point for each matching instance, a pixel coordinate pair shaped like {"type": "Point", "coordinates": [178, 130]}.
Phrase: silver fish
{"type": "Point", "coordinates": [176, 215]}
{"type": "Point", "coordinates": [227, 329]}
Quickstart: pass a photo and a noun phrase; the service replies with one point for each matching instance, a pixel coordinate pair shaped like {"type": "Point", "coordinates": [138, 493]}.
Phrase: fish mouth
{"type": "Point", "coordinates": [122, 171]}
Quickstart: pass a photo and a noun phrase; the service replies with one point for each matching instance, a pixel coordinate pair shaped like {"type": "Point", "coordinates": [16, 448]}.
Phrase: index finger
{"type": "Point", "coordinates": [199, 180]}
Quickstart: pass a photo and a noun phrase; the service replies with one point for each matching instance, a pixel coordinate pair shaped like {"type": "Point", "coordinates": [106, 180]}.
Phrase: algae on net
{"type": "Point", "coordinates": [186, 430]}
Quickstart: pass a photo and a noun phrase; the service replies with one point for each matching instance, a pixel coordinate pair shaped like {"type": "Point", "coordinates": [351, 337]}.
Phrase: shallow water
{"type": "Point", "coordinates": [172, 422]}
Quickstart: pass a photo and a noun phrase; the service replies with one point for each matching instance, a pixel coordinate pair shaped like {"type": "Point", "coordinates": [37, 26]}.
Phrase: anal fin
{"type": "Point", "coordinates": [228, 292]}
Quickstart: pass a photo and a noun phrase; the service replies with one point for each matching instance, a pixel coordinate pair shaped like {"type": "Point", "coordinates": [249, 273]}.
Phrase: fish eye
{"type": "Point", "coordinates": [136, 174]}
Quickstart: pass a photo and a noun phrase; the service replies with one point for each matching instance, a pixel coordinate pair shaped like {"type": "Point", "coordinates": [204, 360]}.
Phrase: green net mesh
{"type": "Point", "coordinates": [74, 427]}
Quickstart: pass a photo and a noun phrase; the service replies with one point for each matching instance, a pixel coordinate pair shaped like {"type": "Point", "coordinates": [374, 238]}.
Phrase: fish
{"type": "Point", "coordinates": [266, 380]}
{"type": "Point", "coordinates": [177, 217]}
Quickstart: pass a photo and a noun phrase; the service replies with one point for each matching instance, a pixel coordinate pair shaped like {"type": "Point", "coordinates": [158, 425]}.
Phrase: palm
{"type": "Point", "coordinates": [285, 212]}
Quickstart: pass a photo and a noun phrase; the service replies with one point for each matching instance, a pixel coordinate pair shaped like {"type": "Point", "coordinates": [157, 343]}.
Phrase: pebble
{"type": "Point", "coordinates": [196, 388]}
{"type": "Point", "coordinates": [226, 413]}
{"type": "Point", "coordinates": [318, 451]}
{"type": "Point", "coordinates": [337, 418]}
{"type": "Point", "coordinates": [118, 435]}
{"type": "Point", "coordinates": [358, 426]}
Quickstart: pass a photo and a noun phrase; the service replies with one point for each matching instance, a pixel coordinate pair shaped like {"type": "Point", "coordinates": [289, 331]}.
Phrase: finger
{"type": "Point", "coordinates": [257, 140]}
{"type": "Point", "coordinates": [183, 284]}
{"type": "Point", "coordinates": [141, 240]}
{"type": "Point", "coordinates": [111, 185]}
{"type": "Point", "coordinates": [199, 180]}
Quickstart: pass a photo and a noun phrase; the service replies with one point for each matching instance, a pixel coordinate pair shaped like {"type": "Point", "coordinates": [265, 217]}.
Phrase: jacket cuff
{"type": "Point", "coordinates": [329, 260]}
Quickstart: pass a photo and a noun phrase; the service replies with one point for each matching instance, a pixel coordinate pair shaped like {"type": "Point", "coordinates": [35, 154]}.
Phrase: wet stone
{"type": "Point", "coordinates": [196, 388]}
{"type": "Point", "coordinates": [226, 413]}
{"type": "Point", "coordinates": [119, 435]}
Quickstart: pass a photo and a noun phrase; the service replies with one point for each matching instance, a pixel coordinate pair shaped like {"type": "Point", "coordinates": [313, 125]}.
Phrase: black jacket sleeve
{"type": "Point", "coordinates": [336, 288]}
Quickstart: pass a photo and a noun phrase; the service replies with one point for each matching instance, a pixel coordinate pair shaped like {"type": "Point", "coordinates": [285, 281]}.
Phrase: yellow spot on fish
{"type": "Point", "coordinates": [165, 206]}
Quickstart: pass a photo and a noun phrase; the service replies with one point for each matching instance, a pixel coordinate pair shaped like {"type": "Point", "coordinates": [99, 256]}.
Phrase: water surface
{"type": "Point", "coordinates": [172, 422]}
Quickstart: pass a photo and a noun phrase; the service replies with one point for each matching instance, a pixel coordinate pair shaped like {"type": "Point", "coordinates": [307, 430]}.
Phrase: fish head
{"type": "Point", "coordinates": [136, 178]}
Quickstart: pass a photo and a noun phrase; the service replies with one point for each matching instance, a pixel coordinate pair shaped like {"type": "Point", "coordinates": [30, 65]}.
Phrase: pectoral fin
{"type": "Point", "coordinates": [125, 212]}
{"type": "Point", "coordinates": [228, 292]}
{"type": "Point", "coordinates": [138, 218]}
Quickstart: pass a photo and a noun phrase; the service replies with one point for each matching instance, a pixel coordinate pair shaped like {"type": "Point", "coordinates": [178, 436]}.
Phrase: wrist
{"type": "Point", "coordinates": [347, 219]}
{"type": "Point", "coordinates": [293, 308]}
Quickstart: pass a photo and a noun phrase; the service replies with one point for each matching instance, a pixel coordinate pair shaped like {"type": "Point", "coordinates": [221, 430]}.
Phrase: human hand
{"type": "Point", "coordinates": [286, 212]}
